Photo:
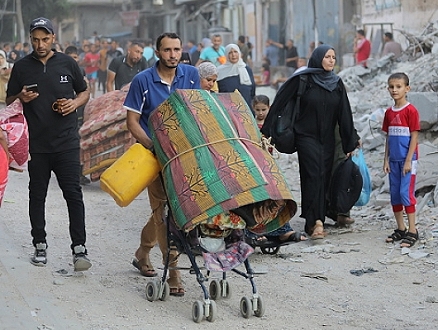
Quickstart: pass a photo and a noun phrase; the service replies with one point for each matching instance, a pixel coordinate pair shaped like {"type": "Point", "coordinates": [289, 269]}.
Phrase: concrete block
{"type": "Point", "coordinates": [427, 105]}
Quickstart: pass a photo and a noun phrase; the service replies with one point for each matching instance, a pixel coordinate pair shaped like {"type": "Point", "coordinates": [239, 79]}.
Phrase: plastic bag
{"type": "Point", "coordinates": [359, 159]}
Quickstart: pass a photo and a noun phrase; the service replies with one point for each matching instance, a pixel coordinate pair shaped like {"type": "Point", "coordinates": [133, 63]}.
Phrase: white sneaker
{"type": "Point", "coordinates": [40, 255]}
{"type": "Point", "coordinates": [80, 260]}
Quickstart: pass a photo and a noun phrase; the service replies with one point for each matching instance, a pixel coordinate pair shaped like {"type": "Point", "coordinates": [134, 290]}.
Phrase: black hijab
{"type": "Point", "coordinates": [326, 79]}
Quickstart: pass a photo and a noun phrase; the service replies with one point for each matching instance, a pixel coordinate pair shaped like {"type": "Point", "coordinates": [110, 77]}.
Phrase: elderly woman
{"type": "Point", "coordinates": [207, 75]}
{"type": "Point", "coordinates": [324, 105]}
{"type": "Point", "coordinates": [235, 74]}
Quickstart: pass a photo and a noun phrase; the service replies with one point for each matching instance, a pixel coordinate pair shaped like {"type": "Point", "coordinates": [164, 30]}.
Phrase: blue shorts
{"type": "Point", "coordinates": [402, 187]}
{"type": "Point", "coordinates": [92, 76]}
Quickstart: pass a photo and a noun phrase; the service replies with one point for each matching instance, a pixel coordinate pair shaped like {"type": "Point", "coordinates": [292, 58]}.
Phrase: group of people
{"type": "Point", "coordinates": [54, 141]}
{"type": "Point", "coordinates": [362, 47]}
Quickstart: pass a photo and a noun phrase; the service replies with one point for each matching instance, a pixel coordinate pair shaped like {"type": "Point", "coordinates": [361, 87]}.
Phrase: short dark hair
{"type": "Point", "coordinates": [400, 75]}
{"type": "Point", "coordinates": [71, 50]}
{"type": "Point", "coordinates": [242, 39]}
{"type": "Point", "coordinates": [171, 35]}
{"type": "Point", "coordinates": [361, 32]}
{"type": "Point", "coordinates": [389, 35]}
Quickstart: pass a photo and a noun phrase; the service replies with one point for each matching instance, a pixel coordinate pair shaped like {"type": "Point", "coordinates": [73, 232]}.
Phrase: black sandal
{"type": "Point", "coordinates": [396, 236]}
{"type": "Point", "coordinates": [410, 239]}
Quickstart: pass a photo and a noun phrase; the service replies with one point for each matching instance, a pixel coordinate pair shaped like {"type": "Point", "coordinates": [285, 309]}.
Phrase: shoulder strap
{"type": "Point", "coordinates": [300, 92]}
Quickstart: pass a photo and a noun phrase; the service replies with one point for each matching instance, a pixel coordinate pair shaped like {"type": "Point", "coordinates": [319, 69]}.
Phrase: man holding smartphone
{"type": "Point", "coordinates": [50, 110]}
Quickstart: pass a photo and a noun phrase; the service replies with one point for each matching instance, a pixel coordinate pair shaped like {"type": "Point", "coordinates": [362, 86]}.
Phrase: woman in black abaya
{"type": "Point", "coordinates": [323, 104]}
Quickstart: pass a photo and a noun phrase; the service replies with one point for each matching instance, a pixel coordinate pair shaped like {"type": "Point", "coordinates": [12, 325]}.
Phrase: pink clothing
{"type": "Point", "coordinates": [14, 126]}
{"type": "Point", "coordinates": [3, 172]}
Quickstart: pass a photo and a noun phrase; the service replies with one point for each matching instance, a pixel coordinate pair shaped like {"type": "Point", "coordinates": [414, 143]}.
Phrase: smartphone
{"type": "Point", "coordinates": [32, 88]}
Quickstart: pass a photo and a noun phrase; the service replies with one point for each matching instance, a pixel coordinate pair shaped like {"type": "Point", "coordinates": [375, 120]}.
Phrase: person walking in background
{"type": "Point", "coordinates": [235, 74]}
{"type": "Point", "coordinates": [391, 46]}
{"type": "Point", "coordinates": [361, 48]}
{"type": "Point", "coordinates": [291, 57]}
{"type": "Point", "coordinates": [272, 52]}
{"type": "Point", "coordinates": [323, 104]}
{"type": "Point", "coordinates": [103, 66]}
{"type": "Point", "coordinates": [147, 91]}
{"type": "Point", "coordinates": [266, 73]}
{"type": "Point", "coordinates": [244, 51]}
{"type": "Point", "coordinates": [50, 111]}
{"type": "Point", "coordinates": [91, 64]}
{"type": "Point", "coordinates": [123, 68]}
{"type": "Point", "coordinates": [207, 75]}
{"type": "Point", "coordinates": [401, 123]}
{"type": "Point", "coordinates": [214, 53]}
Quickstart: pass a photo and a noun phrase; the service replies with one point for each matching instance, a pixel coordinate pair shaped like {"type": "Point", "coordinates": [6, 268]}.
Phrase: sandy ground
{"type": "Point", "coordinates": [305, 285]}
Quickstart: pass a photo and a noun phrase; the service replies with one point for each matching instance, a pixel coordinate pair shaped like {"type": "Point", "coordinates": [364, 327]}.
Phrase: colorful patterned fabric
{"type": "Point", "coordinates": [210, 150]}
{"type": "Point", "coordinates": [4, 165]}
{"type": "Point", "coordinates": [230, 258]}
{"type": "Point", "coordinates": [104, 134]}
{"type": "Point", "coordinates": [14, 125]}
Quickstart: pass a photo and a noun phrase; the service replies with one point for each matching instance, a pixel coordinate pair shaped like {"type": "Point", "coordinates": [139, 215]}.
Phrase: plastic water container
{"type": "Point", "coordinates": [129, 175]}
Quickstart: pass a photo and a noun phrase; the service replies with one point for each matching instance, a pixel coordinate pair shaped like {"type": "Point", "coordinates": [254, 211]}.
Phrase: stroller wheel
{"type": "Point", "coordinates": [225, 288]}
{"type": "Point", "coordinates": [260, 310]}
{"type": "Point", "coordinates": [245, 307]}
{"type": "Point", "coordinates": [215, 290]}
{"type": "Point", "coordinates": [197, 311]}
{"type": "Point", "coordinates": [270, 250]}
{"type": "Point", "coordinates": [212, 311]}
{"type": "Point", "coordinates": [166, 292]}
{"type": "Point", "coordinates": [152, 291]}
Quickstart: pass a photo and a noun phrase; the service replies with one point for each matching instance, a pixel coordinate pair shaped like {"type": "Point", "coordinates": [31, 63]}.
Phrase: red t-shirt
{"type": "Point", "coordinates": [92, 58]}
{"type": "Point", "coordinates": [363, 51]}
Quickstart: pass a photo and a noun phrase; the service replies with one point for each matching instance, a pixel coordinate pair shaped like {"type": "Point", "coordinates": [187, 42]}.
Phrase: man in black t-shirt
{"type": "Point", "coordinates": [50, 110]}
{"type": "Point", "coordinates": [123, 68]}
{"type": "Point", "coordinates": [291, 57]}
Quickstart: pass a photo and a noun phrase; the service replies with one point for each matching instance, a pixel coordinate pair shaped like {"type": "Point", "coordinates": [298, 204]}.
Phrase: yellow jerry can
{"type": "Point", "coordinates": [129, 175]}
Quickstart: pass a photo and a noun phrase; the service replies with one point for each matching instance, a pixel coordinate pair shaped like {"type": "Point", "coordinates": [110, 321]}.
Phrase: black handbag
{"type": "Point", "coordinates": [282, 133]}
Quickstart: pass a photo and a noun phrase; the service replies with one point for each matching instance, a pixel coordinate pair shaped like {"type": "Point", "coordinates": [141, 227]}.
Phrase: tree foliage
{"type": "Point", "coordinates": [51, 9]}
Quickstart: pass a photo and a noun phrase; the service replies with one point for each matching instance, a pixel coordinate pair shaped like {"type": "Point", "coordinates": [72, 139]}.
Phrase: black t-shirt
{"type": "Point", "coordinates": [292, 52]}
{"type": "Point", "coordinates": [60, 77]}
{"type": "Point", "coordinates": [124, 72]}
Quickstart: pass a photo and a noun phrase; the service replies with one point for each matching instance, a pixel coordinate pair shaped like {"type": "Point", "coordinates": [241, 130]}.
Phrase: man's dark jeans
{"type": "Point", "coordinates": [66, 167]}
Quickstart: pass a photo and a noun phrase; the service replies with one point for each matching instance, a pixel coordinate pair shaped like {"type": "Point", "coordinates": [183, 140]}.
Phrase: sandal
{"type": "Point", "coordinates": [396, 236]}
{"type": "Point", "coordinates": [409, 240]}
{"type": "Point", "coordinates": [144, 266]}
{"type": "Point", "coordinates": [318, 231]}
{"type": "Point", "coordinates": [343, 220]}
{"type": "Point", "coordinates": [295, 236]}
{"type": "Point", "coordinates": [176, 288]}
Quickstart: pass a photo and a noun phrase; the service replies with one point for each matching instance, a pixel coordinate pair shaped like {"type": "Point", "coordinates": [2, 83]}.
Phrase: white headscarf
{"type": "Point", "coordinates": [238, 69]}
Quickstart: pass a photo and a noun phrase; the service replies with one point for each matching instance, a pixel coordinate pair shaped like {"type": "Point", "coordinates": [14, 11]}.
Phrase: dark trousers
{"type": "Point", "coordinates": [66, 167]}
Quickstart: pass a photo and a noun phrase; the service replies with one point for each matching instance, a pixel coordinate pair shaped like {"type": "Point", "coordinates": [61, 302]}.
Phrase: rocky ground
{"type": "Point", "coordinates": [350, 280]}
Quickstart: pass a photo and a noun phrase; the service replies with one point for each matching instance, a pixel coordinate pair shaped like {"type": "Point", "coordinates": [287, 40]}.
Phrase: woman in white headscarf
{"type": "Point", "coordinates": [235, 74]}
{"type": "Point", "coordinates": [5, 71]}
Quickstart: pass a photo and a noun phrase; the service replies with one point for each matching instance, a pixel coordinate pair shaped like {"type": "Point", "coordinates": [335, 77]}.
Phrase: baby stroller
{"type": "Point", "coordinates": [219, 182]}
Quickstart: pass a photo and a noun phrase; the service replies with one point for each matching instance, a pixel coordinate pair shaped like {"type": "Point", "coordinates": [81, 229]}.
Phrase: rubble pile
{"type": "Point", "coordinates": [369, 98]}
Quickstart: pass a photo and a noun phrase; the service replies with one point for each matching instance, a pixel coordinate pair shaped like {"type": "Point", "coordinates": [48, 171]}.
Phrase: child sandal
{"type": "Point", "coordinates": [396, 236]}
{"type": "Point", "coordinates": [409, 240]}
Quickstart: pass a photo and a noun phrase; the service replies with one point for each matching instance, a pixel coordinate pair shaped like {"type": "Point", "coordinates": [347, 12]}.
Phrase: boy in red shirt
{"type": "Point", "coordinates": [401, 123]}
